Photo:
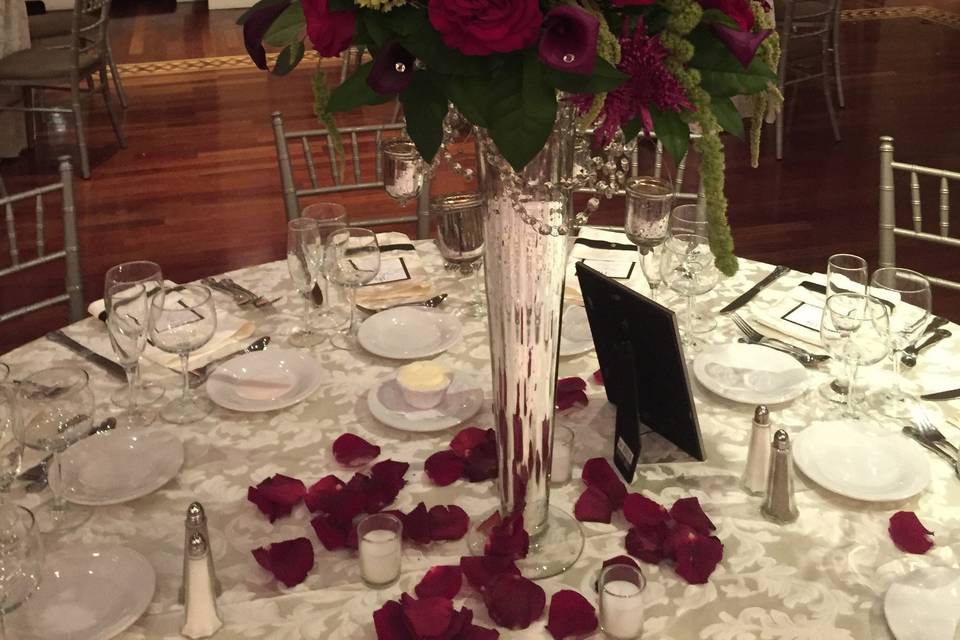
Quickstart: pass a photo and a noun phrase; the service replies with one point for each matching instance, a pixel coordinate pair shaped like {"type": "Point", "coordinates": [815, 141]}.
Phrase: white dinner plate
{"type": "Point", "coordinates": [409, 333]}
{"type": "Point", "coordinates": [750, 374]}
{"type": "Point", "coordinates": [924, 605]}
{"type": "Point", "coordinates": [265, 380]}
{"type": "Point", "coordinates": [464, 398]}
{"type": "Point", "coordinates": [120, 465]}
{"type": "Point", "coordinates": [843, 458]}
{"type": "Point", "coordinates": [575, 336]}
{"type": "Point", "coordinates": [93, 593]}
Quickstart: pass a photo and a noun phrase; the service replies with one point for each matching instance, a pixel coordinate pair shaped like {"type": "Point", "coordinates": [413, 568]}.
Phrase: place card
{"type": "Point", "coordinates": [616, 269]}
{"type": "Point", "coordinates": [805, 315]}
{"type": "Point", "coordinates": [391, 270]}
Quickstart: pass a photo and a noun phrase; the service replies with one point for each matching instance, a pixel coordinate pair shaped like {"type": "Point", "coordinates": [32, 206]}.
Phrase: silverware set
{"type": "Point", "coordinates": [928, 435]}
{"type": "Point", "coordinates": [752, 336]}
{"type": "Point", "coordinates": [241, 295]}
{"type": "Point", "coordinates": [430, 303]}
{"type": "Point", "coordinates": [909, 357]}
{"type": "Point", "coordinates": [199, 376]}
{"type": "Point", "coordinates": [36, 476]}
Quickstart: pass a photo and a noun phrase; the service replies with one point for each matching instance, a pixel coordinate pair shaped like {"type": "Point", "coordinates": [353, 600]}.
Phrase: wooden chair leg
{"type": "Point", "coordinates": [105, 92]}
{"type": "Point", "coordinates": [78, 125]}
{"type": "Point", "coordinates": [115, 74]}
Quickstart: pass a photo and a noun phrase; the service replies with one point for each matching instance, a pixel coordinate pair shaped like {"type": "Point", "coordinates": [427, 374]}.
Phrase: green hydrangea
{"type": "Point", "coordinates": [379, 5]}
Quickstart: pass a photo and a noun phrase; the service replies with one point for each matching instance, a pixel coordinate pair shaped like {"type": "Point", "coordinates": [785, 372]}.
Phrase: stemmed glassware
{"type": "Point", "coordinates": [460, 238]}
{"type": "Point", "coordinates": [55, 409]}
{"type": "Point", "coordinates": [181, 321]}
{"type": "Point", "coordinates": [692, 219]}
{"type": "Point", "coordinates": [402, 170]}
{"type": "Point", "coordinates": [846, 273]}
{"type": "Point", "coordinates": [855, 329]}
{"type": "Point", "coordinates": [21, 559]}
{"type": "Point", "coordinates": [351, 259]}
{"type": "Point", "coordinates": [907, 320]}
{"type": "Point", "coordinates": [128, 321]}
{"type": "Point", "coordinates": [648, 203]}
{"type": "Point", "coordinates": [304, 259]}
{"type": "Point", "coordinates": [326, 298]}
{"type": "Point", "coordinates": [150, 275]}
{"type": "Point", "coordinates": [11, 449]}
{"type": "Point", "coordinates": [688, 268]}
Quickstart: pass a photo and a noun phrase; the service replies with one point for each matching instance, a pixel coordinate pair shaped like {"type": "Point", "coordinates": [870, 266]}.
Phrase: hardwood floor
{"type": "Point", "coordinates": [198, 189]}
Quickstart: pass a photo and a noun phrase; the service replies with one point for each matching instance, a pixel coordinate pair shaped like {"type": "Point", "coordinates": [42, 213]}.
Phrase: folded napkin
{"type": "Point", "coordinates": [608, 251]}
{"type": "Point", "coordinates": [98, 308]}
{"type": "Point", "coordinates": [393, 247]}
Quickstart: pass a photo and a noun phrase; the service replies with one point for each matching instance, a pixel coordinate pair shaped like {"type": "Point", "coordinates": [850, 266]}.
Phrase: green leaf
{"type": "Point", "coordinates": [632, 129]}
{"type": "Point", "coordinates": [727, 115]}
{"type": "Point", "coordinates": [288, 59]}
{"type": "Point", "coordinates": [605, 77]}
{"type": "Point", "coordinates": [470, 94]}
{"type": "Point", "coordinates": [375, 26]}
{"type": "Point", "coordinates": [424, 107]}
{"type": "Point", "coordinates": [673, 132]}
{"type": "Point", "coordinates": [716, 16]}
{"type": "Point", "coordinates": [418, 36]}
{"type": "Point", "coordinates": [355, 92]}
{"type": "Point", "coordinates": [262, 4]}
{"type": "Point", "coordinates": [287, 28]}
{"type": "Point", "coordinates": [721, 74]}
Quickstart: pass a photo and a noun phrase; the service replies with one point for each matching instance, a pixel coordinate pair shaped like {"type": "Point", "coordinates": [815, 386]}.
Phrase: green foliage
{"type": "Point", "coordinates": [631, 129]}
{"type": "Point", "coordinates": [355, 92]}
{"type": "Point", "coordinates": [262, 4]}
{"type": "Point", "coordinates": [425, 105]}
{"type": "Point", "coordinates": [289, 58]}
{"type": "Point", "coordinates": [721, 74]}
{"type": "Point", "coordinates": [321, 101]}
{"type": "Point", "coordinates": [727, 115]}
{"type": "Point", "coordinates": [672, 131]}
{"type": "Point", "coordinates": [287, 28]}
{"type": "Point", "coordinates": [716, 16]}
{"type": "Point", "coordinates": [605, 77]}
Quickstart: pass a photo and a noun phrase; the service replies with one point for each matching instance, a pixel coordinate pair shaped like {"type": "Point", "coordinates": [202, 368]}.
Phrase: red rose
{"type": "Point", "coordinates": [482, 27]}
{"type": "Point", "coordinates": [330, 31]}
{"type": "Point", "coordinates": [738, 10]}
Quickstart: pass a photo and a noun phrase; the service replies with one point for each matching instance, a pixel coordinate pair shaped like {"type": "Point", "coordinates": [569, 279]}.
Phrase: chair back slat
{"type": "Point", "coordinates": [12, 234]}
{"type": "Point", "coordinates": [38, 208]}
{"type": "Point", "coordinates": [378, 158]}
{"type": "Point", "coordinates": [89, 37]}
{"type": "Point", "coordinates": [915, 201]}
{"type": "Point", "coordinates": [355, 146]}
{"type": "Point", "coordinates": [944, 208]}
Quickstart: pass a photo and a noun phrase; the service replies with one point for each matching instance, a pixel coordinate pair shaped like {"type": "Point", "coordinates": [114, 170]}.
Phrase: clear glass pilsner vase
{"type": "Point", "coordinates": [525, 270]}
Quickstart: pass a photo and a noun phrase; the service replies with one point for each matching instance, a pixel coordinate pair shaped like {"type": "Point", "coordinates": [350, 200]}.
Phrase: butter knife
{"type": "Point", "coordinates": [746, 297]}
{"type": "Point", "coordinates": [942, 395]}
{"type": "Point", "coordinates": [88, 354]}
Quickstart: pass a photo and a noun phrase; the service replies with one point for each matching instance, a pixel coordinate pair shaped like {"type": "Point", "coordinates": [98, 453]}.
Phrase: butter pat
{"type": "Point", "coordinates": [423, 384]}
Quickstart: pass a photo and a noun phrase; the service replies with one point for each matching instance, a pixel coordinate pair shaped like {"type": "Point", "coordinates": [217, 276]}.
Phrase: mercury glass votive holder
{"type": "Point", "coordinates": [402, 172]}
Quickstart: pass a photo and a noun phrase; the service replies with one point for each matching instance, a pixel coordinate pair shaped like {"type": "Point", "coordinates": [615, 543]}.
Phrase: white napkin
{"type": "Point", "coordinates": [98, 308]}
{"type": "Point", "coordinates": [934, 608]}
{"type": "Point", "coordinates": [418, 287]}
{"type": "Point", "coordinates": [614, 260]}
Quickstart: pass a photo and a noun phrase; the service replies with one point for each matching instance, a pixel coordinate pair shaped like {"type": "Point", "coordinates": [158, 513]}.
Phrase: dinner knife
{"type": "Point", "coordinates": [88, 354]}
{"type": "Point", "coordinates": [950, 394]}
{"type": "Point", "coordinates": [606, 244]}
{"type": "Point", "coordinates": [746, 297]}
{"type": "Point", "coordinates": [822, 290]}
{"type": "Point", "coordinates": [911, 432]}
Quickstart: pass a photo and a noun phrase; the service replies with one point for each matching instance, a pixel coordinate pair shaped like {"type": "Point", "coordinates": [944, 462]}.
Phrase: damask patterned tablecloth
{"type": "Point", "coordinates": [821, 577]}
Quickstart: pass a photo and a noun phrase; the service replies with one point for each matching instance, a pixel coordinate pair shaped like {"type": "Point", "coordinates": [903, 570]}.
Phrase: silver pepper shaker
{"type": "Point", "coordinates": [201, 615]}
{"type": "Point", "coordinates": [779, 505]}
{"type": "Point", "coordinates": [196, 522]}
{"type": "Point", "coordinates": [754, 479]}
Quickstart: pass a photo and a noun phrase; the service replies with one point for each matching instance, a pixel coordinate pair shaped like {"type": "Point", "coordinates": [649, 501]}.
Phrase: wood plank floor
{"type": "Point", "coordinates": [198, 190]}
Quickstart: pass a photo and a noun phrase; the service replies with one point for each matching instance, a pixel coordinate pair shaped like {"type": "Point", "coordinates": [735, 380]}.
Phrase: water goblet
{"type": "Point", "coordinates": [50, 423]}
{"type": "Point", "coordinates": [21, 558]}
{"type": "Point", "coordinates": [181, 321]}
{"type": "Point", "coordinates": [402, 170]}
{"type": "Point", "coordinates": [11, 449]}
{"type": "Point", "coordinates": [128, 321]}
{"type": "Point", "coordinates": [692, 219]}
{"type": "Point", "coordinates": [460, 239]}
{"type": "Point", "coordinates": [688, 268]}
{"type": "Point", "coordinates": [327, 298]}
{"type": "Point", "coordinates": [846, 273]}
{"type": "Point", "coordinates": [351, 258]}
{"type": "Point", "coordinates": [648, 203]}
{"type": "Point", "coordinates": [304, 255]}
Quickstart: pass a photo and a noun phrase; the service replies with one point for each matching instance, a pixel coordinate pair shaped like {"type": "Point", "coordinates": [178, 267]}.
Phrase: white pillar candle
{"type": "Point", "coordinates": [561, 468]}
{"type": "Point", "coordinates": [380, 553]}
{"type": "Point", "coordinates": [621, 610]}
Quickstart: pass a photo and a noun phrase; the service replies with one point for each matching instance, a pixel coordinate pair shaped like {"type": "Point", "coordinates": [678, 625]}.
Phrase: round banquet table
{"type": "Point", "coordinates": [821, 577]}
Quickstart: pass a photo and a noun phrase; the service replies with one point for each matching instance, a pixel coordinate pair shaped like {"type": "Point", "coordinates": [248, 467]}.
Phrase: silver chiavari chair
{"type": "Point", "coordinates": [889, 231]}
{"type": "Point", "coordinates": [355, 140]}
{"type": "Point", "coordinates": [18, 262]}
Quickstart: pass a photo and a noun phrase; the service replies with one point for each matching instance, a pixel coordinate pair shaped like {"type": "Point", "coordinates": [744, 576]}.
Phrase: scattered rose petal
{"type": "Point", "coordinates": [570, 615]}
{"type": "Point", "coordinates": [448, 523]}
{"type": "Point", "coordinates": [508, 538]}
{"type": "Point", "coordinates": [908, 533]}
{"type": "Point", "coordinates": [277, 496]}
{"type": "Point", "coordinates": [598, 473]}
{"type": "Point", "coordinates": [620, 560]}
{"type": "Point", "coordinates": [467, 439]}
{"type": "Point", "coordinates": [390, 472]}
{"type": "Point", "coordinates": [441, 581]}
{"type": "Point", "coordinates": [640, 510]}
{"type": "Point", "coordinates": [598, 376]}
{"type": "Point", "coordinates": [475, 632]}
{"type": "Point", "coordinates": [514, 601]}
{"type": "Point", "coordinates": [646, 542]}
{"type": "Point", "coordinates": [444, 467]}
{"type": "Point", "coordinates": [388, 622]}
{"type": "Point", "coordinates": [289, 561]}
{"type": "Point", "coordinates": [427, 616]}
{"type": "Point", "coordinates": [352, 450]}
{"type": "Point", "coordinates": [689, 512]}
{"type": "Point", "coordinates": [350, 502]}
{"type": "Point", "coordinates": [569, 385]}
{"type": "Point", "coordinates": [323, 494]}
{"type": "Point", "coordinates": [481, 461]}
{"type": "Point", "coordinates": [352, 541]}
{"type": "Point", "coordinates": [480, 570]}
{"type": "Point", "coordinates": [678, 535]}
{"type": "Point", "coordinates": [575, 398]}
{"type": "Point", "coordinates": [593, 506]}
{"type": "Point", "coordinates": [697, 558]}
{"type": "Point", "coordinates": [332, 535]}
{"type": "Point", "coordinates": [416, 525]}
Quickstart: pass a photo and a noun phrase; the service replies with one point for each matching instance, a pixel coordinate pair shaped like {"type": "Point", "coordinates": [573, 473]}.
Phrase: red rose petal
{"type": "Point", "coordinates": [442, 581]}
{"type": "Point", "coordinates": [646, 542]}
{"type": "Point", "coordinates": [908, 533]}
{"type": "Point", "coordinates": [481, 461]}
{"type": "Point", "coordinates": [598, 473]}
{"type": "Point", "coordinates": [467, 439]}
{"type": "Point", "coordinates": [332, 535]}
{"type": "Point", "coordinates": [444, 467]}
{"type": "Point", "coordinates": [323, 493]}
{"type": "Point", "coordinates": [427, 616]}
{"type": "Point", "coordinates": [349, 502]}
{"type": "Point", "coordinates": [620, 560]}
{"type": "Point", "coordinates": [416, 525]}
{"type": "Point", "coordinates": [351, 450]}
{"type": "Point", "coordinates": [480, 570]}
{"type": "Point", "coordinates": [569, 385]}
{"type": "Point", "coordinates": [677, 535]}
{"type": "Point", "coordinates": [508, 539]}
{"type": "Point", "coordinates": [448, 523]}
{"type": "Point", "coordinates": [569, 399]}
{"type": "Point", "coordinates": [276, 496]}
{"type": "Point", "coordinates": [598, 376]}
{"type": "Point", "coordinates": [593, 506]}
{"type": "Point", "coordinates": [689, 512]}
{"type": "Point", "coordinates": [388, 476]}
{"type": "Point", "coordinates": [697, 558]}
{"type": "Point", "coordinates": [388, 621]}
{"type": "Point", "coordinates": [640, 510]}
{"type": "Point", "coordinates": [514, 601]}
{"type": "Point", "coordinates": [289, 561]}
{"type": "Point", "coordinates": [353, 541]}
{"type": "Point", "coordinates": [570, 615]}
{"type": "Point", "coordinates": [475, 632]}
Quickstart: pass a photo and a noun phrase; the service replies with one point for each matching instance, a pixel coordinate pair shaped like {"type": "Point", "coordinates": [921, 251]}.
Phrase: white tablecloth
{"type": "Point", "coordinates": [14, 36]}
{"type": "Point", "coordinates": [821, 577]}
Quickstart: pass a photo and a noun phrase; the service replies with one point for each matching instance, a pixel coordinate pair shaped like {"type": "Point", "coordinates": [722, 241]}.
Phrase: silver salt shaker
{"type": "Point", "coordinates": [196, 522]}
{"type": "Point", "coordinates": [779, 505]}
{"type": "Point", "coordinates": [201, 614]}
{"type": "Point", "coordinates": [754, 479]}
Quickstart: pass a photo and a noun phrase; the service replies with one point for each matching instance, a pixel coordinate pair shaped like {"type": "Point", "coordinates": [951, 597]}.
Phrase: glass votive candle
{"type": "Point", "coordinates": [621, 601]}
{"type": "Point", "coordinates": [562, 466]}
{"type": "Point", "coordinates": [380, 549]}
{"type": "Point", "coordinates": [402, 174]}
{"type": "Point", "coordinates": [648, 204]}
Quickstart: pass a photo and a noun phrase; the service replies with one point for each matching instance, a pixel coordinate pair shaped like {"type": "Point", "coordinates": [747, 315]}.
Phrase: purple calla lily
{"type": "Point", "coordinates": [742, 44]}
{"type": "Point", "coordinates": [569, 41]}
{"type": "Point", "coordinates": [256, 27]}
{"type": "Point", "coordinates": [392, 69]}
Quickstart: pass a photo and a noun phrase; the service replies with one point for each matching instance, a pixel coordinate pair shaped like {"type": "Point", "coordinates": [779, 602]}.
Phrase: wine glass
{"type": "Point", "coordinates": [692, 219]}
{"type": "Point", "coordinates": [846, 273]}
{"type": "Point", "coordinates": [855, 329]}
{"type": "Point", "coordinates": [351, 259]}
{"type": "Point", "coordinates": [50, 422]}
{"type": "Point", "coordinates": [21, 558]}
{"type": "Point", "coordinates": [907, 320]}
{"type": "Point", "coordinates": [326, 297]}
{"type": "Point", "coordinates": [460, 239]}
{"type": "Point", "coordinates": [11, 449]}
{"type": "Point", "coordinates": [149, 274]}
{"type": "Point", "coordinates": [183, 320]}
{"type": "Point", "coordinates": [688, 268]}
{"type": "Point", "coordinates": [304, 255]}
{"type": "Point", "coordinates": [128, 321]}
{"type": "Point", "coordinates": [402, 173]}
{"type": "Point", "coordinates": [648, 203]}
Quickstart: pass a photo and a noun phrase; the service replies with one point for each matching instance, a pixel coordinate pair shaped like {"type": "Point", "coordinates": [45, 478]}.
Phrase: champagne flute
{"type": "Point", "coordinates": [460, 239]}
{"type": "Point", "coordinates": [326, 297]}
{"type": "Point", "coordinates": [907, 320]}
{"type": "Point", "coordinates": [21, 558]}
{"type": "Point", "coordinates": [149, 274]}
{"type": "Point", "coordinates": [688, 268]}
{"type": "Point", "coordinates": [351, 259]}
{"type": "Point", "coordinates": [648, 203]}
{"type": "Point", "coordinates": [181, 321]}
{"type": "Point", "coordinates": [846, 273]}
{"type": "Point", "coordinates": [50, 423]}
{"type": "Point", "coordinates": [304, 253]}
{"type": "Point", "coordinates": [128, 321]}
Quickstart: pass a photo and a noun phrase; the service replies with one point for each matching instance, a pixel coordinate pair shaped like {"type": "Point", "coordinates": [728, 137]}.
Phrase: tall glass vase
{"type": "Point", "coordinates": [526, 220]}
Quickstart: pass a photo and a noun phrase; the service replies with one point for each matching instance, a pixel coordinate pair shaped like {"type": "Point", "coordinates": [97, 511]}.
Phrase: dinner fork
{"type": "Point", "coordinates": [755, 337]}
{"type": "Point", "coordinates": [929, 432]}
{"type": "Point", "coordinates": [238, 297]}
{"type": "Point", "coordinates": [258, 300]}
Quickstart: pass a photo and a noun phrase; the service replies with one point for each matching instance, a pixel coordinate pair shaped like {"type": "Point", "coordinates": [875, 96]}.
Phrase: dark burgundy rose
{"type": "Point", "coordinates": [508, 538]}
{"type": "Point", "coordinates": [647, 542]}
{"type": "Point", "coordinates": [738, 10]}
{"type": "Point", "coordinates": [593, 506]}
{"type": "Point", "coordinates": [908, 533]}
{"type": "Point", "coordinates": [289, 561]}
{"type": "Point", "coordinates": [698, 557]}
{"type": "Point", "coordinates": [277, 496]}
{"type": "Point", "coordinates": [392, 69]}
{"type": "Point", "coordinates": [598, 473]}
{"type": "Point", "coordinates": [480, 570]}
{"type": "Point", "coordinates": [332, 535]}
{"type": "Point", "coordinates": [513, 601]}
{"type": "Point", "coordinates": [742, 44]}
{"type": "Point", "coordinates": [482, 27]}
{"type": "Point", "coordinates": [441, 581]}
{"type": "Point", "coordinates": [256, 27]}
{"type": "Point", "coordinates": [570, 615]}
{"type": "Point", "coordinates": [416, 525]}
{"type": "Point", "coordinates": [330, 31]}
{"type": "Point", "coordinates": [689, 512]}
{"type": "Point", "coordinates": [448, 523]}
{"type": "Point", "coordinates": [641, 510]}
{"type": "Point", "coordinates": [569, 40]}
{"type": "Point", "coordinates": [444, 467]}
{"type": "Point", "coordinates": [351, 450]}
{"type": "Point", "coordinates": [323, 494]}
